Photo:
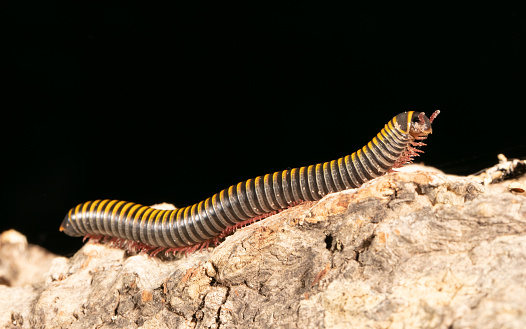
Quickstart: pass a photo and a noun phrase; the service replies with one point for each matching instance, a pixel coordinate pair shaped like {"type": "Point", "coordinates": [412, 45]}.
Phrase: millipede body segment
{"type": "Point", "coordinates": [208, 220]}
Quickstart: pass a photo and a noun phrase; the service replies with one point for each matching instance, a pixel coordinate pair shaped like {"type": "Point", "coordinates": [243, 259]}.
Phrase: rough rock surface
{"type": "Point", "coordinates": [407, 250]}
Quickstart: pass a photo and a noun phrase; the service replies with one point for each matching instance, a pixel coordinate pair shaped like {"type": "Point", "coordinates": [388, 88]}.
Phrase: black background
{"type": "Point", "coordinates": [151, 102]}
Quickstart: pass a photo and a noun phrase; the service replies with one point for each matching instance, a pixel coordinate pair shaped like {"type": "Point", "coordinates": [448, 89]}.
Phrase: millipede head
{"type": "Point", "coordinates": [421, 124]}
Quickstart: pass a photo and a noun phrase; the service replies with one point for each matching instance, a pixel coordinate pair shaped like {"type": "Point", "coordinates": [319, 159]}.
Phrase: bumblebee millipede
{"type": "Point", "coordinates": [143, 228]}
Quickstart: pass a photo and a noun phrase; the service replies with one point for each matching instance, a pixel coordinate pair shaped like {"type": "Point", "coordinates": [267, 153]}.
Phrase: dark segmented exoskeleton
{"type": "Point", "coordinates": [203, 222]}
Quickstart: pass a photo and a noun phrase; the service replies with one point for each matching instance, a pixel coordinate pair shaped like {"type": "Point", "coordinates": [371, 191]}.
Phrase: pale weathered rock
{"type": "Point", "coordinates": [407, 250]}
{"type": "Point", "coordinates": [21, 263]}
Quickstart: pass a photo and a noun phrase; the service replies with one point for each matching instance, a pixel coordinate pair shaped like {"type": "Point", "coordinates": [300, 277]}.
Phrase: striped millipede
{"type": "Point", "coordinates": [185, 229]}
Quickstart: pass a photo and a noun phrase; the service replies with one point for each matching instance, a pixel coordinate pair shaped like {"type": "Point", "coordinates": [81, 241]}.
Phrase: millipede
{"type": "Point", "coordinates": [137, 227]}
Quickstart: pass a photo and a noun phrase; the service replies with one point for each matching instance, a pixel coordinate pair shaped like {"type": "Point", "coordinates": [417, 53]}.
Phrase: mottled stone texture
{"type": "Point", "coordinates": [407, 250]}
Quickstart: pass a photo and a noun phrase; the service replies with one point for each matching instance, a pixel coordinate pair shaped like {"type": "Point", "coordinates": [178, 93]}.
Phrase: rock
{"type": "Point", "coordinates": [406, 250]}
{"type": "Point", "coordinates": [21, 263]}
